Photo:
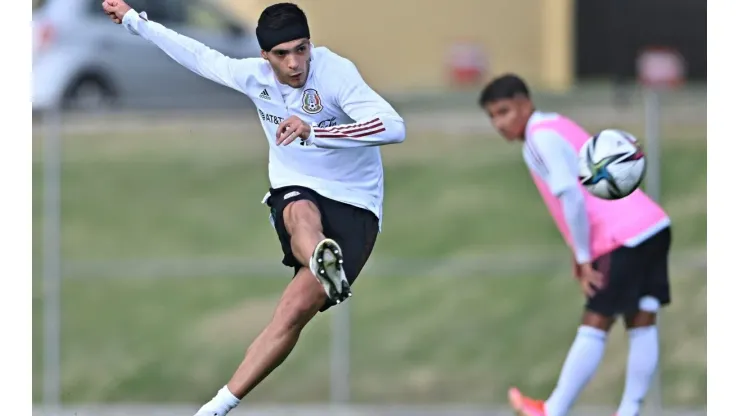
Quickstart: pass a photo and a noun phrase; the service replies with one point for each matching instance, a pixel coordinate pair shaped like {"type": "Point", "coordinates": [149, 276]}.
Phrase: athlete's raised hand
{"type": "Point", "coordinates": [115, 9]}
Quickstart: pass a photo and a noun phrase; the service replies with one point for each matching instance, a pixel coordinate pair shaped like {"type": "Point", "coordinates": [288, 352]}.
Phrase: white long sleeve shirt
{"type": "Point", "coordinates": [341, 159]}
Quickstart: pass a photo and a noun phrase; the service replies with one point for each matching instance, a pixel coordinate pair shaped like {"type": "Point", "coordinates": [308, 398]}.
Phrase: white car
{"type": "Point", "coordinates": [83, 61]}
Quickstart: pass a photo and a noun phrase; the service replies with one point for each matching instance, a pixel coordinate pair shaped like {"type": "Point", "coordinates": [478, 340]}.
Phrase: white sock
{"type": "Point", "coordinates": [224, 401]}
{"type": "Point", "coordinates": [641, 365]}
{"type": "Point", "coordinates": [583, 359]}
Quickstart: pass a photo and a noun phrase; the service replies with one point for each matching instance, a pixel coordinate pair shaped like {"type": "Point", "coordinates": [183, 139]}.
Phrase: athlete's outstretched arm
{"type": "Point", "coordinates": [377, 123]}
{"type": "Point", "coordinates": [558, 167]}
{"type": "Point", "coordinates": [188, 52]}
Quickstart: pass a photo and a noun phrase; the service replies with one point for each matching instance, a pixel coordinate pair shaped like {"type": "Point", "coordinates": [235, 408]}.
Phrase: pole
{"type": "Point", "coordinates": [52, 261]}
{"type": "Point", "coordinates": [652, 142]}
{"type": "Point", "coordinates": [654, 399]}
{"type": "Point", "coordinates": [340, 354]}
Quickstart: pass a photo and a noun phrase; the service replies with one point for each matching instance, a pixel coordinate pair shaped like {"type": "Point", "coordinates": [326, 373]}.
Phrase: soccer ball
{"type": "Point", "coordinates": [611, 164]}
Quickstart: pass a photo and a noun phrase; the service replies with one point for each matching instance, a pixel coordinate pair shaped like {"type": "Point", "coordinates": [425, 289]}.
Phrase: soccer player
{"type": "Point", "coordinates": [324, 125]}
{"type": "Point", "coordinates": [620, 250]}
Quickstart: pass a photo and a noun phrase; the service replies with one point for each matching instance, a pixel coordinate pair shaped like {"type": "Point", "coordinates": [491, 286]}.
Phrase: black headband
{"type": "Point", "coordinates": [269, 38]}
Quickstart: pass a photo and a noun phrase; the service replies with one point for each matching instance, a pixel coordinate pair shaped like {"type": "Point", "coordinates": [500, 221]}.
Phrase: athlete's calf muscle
{"type": "Point", "coordinates": [301, 301]}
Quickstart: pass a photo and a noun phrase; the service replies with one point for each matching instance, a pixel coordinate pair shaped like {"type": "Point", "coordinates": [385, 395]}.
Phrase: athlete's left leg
{"type": "Point", "coordinates": [588, 348]}
{"type": "Point", "coordinates": [644, 340]}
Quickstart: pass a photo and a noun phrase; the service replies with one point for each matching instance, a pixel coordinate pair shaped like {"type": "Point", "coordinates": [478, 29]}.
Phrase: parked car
{"type": "Point", "coordinates": [82, 61]}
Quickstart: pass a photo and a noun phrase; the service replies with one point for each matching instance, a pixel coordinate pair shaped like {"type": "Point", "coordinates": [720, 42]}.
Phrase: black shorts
{"type": "Point", "coordinates": [354, 229]}
{"type": "Point", "coordinates": [632, 273]}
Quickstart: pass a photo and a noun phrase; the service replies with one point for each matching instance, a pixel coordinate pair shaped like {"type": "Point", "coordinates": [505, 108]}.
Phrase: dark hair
{"type": "Point", "coordinates": [502, 88]}
{"type": "Point", "coordinates": [282, 15]}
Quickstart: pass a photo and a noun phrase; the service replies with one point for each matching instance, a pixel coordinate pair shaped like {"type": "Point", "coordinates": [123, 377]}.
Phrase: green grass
{"type": "Point", "coordinates": [431, 340]}
{"type": "Point", "coordinates": [439, 338]}
{"type": "Point", "coordinates": [199, 196]}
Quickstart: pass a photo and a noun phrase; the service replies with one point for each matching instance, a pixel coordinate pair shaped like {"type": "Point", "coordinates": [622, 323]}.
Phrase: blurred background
{"type": "Point", "coordinates": [155, 263]}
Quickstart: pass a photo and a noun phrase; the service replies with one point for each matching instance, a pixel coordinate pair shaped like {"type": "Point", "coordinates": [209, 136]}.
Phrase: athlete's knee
{"type": "Point", "coordinates": [301, 301]}
{"type": "Point", "coordinates": [301, 215]}
{"type": "Point", "coordinates": [295, 315]}
{"type": "Point", "coordinates": [649, 304]}
{"type": "Point", "coordinates": [646, 314]}
{"type": "Point", "coordinates": [597, 320]}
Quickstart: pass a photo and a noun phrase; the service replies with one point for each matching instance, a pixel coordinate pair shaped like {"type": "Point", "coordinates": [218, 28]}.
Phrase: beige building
{"type": "Point", "coordinates": [405, 44]}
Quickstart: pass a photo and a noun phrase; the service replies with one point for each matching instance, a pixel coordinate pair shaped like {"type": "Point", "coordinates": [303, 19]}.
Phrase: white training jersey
{"type": "Point", "coordinates": [341, 159]}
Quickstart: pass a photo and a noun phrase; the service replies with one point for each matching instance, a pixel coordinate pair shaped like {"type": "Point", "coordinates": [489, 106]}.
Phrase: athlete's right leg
{"type": "Point", "coordinates": [302, 299]}
{"type": "Point", "coordinates": [580, 365]}
{"type": "Point", "coordinates": [588, 348]}
{"type": "Point", "coordinates": [582, 361]}
{"type": "Point", "coordinates": [300, 302]}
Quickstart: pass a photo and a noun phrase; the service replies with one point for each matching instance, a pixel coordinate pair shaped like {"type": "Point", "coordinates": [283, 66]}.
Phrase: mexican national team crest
{"type": "Point", "coordinates": [312, 101]}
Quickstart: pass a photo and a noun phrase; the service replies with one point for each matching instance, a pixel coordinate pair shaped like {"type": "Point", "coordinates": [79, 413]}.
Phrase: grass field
{"type": "Point", "coordinates": [444, 337]}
